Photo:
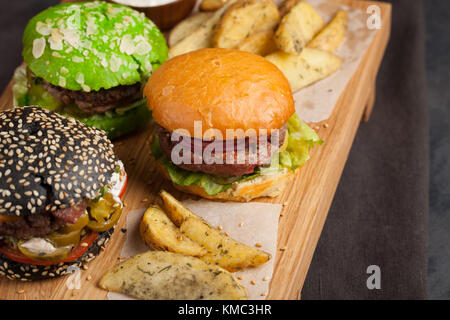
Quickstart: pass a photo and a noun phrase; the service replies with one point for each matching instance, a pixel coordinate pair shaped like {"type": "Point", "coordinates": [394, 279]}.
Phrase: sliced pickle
{"type": "Point", "coordinates": [59, 239]}
{"type": "Point", "coordinates": [104, 213]}
{"type": "Point", "coordinates": [59, 254]}
{"type": "Point", "coordinates": [106, 225]}
{"type": "Point", "coordinates": [78, 225]}
{"type": "Point", "coordinates": [102, 209]}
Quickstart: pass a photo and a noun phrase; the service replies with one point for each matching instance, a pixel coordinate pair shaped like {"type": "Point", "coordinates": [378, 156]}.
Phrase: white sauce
{"type": "Point", "coordinates": [144, 3]}
{"type": "Point", "coordinates": [116, 184]}
{"type": "Point", "coordinates": [39, 245]}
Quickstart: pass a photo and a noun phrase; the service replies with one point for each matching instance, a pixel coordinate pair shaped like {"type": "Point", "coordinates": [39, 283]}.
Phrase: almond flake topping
{"type": "Point", "coordinates": [115, 64]}
{"type": "Point", "coordinates": [80, 78]}
{"type": "Point", "coordinates": [72, 37]}
{"type": "Point", "coordinates": [62, 82]}
{"type": "Point", "coordinates": [38, 47]}
{"type": "Point", "coordinates": [92, 27]}
{"type": "Point", "coordinates": [127, 46]}
{"type": "Point", "coordinates": [43, 28]}
{"type": "Point", "coordinates": [143, 48]}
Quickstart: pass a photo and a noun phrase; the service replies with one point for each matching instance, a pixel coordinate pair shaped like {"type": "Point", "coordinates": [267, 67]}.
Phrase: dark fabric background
{"type": "Point", "coordinates": [14, 16]}
{"type": "Point", "coordinates": [438, 72]}
{"type": "Point", "coordinates": [379, 214]}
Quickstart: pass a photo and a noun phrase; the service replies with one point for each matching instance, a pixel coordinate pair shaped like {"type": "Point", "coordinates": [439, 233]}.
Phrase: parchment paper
{"type": "Point", "coordinates": [316, 102]}
{"type": "Point", "coordinates": [249, 223]}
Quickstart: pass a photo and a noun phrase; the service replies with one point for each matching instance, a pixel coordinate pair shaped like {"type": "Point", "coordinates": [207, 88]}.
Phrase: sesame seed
{"type": "Point", "coordinates": [34, 148]}
{"type": "Point", "coordinates": [253, 282]}
{"type": "Point", "coordinates": [258, 245]}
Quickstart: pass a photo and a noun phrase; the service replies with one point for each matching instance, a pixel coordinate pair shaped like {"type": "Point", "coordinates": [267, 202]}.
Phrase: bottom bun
{"type": "Point", "coordinates": [268, 185]}
{"type": "Point", "coordinates": [29, 272]}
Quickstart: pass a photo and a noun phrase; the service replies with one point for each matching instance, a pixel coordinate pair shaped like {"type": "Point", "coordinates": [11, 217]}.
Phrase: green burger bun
{"type": "Point", "coordinates": [87, 47]}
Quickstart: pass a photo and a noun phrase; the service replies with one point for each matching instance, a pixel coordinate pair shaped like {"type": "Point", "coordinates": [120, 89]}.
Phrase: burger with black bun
{"type": "Point", "coordinates": [89, 61]}
{"type": "Point", "coordinates": [227, 127]}
{"type": "Point", "coordinates": [60, 193]}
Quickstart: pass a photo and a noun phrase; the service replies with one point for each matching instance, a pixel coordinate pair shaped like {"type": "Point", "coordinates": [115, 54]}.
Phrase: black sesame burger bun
{"type": "Point", "coordinates": [49, 162]}
{"type": "Point", "coordinates": [14, 270]}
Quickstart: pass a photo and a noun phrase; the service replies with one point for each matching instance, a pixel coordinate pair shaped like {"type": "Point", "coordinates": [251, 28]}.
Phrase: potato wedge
{"type": "Point", "coordinates": [202, 36]}
{"type": "Point", "coordinates": [244, 18]}
{"type": "Point", "coordinates": [298, 27]}
{"type": "Point", "coordinates": [165, 275]}
{"type": "Point", "coordinates": [261, 43]}
{"type": "Point", "coordinates": [211, 5]}
{"type": "Point", "coordinates": [286, 6]}
{"type": "Point", "coordinates": [159, 233]}
{"type": "Point", "coordinates": [306, 68]}
{"type": "Point", "coordinates": [222, 250]}
{"type": "Point", "coordinates": [187, 26]}
{"type": "Point", "coordinates": [331, 36]}
{"type": "Point", "coordinates": [175, 210]}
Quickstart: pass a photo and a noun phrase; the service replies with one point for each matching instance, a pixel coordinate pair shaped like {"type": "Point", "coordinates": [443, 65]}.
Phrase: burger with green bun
{"type": "Point", "coordinates": [89, 61]}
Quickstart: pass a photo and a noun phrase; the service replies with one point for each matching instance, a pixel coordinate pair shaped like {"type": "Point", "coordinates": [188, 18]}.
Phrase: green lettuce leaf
{"type": "Point", "coordinates": [300, 139]}
{"type": "Point", "coordinates": [20, 87]}
{"type": "Point", "coordinates": [184, 177]}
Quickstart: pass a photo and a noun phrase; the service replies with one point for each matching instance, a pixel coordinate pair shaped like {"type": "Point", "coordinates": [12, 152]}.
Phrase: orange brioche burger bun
{"type": "Point", "coordinates": [222, 88]}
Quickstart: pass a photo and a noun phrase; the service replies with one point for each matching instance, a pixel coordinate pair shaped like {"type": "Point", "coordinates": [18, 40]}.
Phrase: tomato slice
{"type": "Point", "coordinates": [15, 255]}
{"type": "Point", "coordinates": [77, 252]}
{"type": "Point", "coordinates": [124, 187]}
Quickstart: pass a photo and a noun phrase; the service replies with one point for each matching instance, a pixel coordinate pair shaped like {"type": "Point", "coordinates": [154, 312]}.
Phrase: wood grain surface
{"type": "Point", "coordinates": [307, 200]}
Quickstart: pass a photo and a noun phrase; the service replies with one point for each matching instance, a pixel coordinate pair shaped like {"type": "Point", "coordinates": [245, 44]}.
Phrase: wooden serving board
{"type": "Point", "coordinates": [307, 200]}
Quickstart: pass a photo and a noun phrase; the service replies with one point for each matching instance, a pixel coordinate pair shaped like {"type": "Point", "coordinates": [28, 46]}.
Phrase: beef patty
{"type": "Point", "coordinates": [253, 156]}
{"type": "Point", "coordinates": [39, 225]}
{"type": "Point", "coordinates": [36, 225]}
{"type": "Point", "coordinates": [95, 101]}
